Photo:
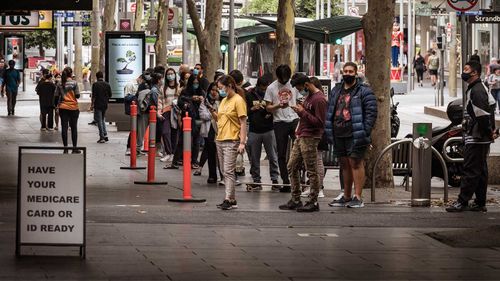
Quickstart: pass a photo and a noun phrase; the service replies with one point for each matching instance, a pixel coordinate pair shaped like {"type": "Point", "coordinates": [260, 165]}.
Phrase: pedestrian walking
{"type": "Point", "coordinates": [261, 132]}
{"type": "Point", "coordinates": [3, 69]}
{"type": "Point", "coordinates": [352, 111]}
{"type": "Point", "coordinates": [169, 132]}
{"type": "Point", "coordinates": [312, 113]}
{"type": "Point", "coordinates": [479, 130]}
{"type": "Point", "coordinates": [12, 81]}
{"type": "Point", "coordinates": [433, 66]}
{"type": "Point", "coordinates": [280, 97]}
{"type": "Point", "coordinates": [494, 84]}
{"type": "Point", "coordinates": [419, 65]}
{"type": "Point", "coordinates": [231, 119]}
{"type": "Point", "coordinates": [68, 108]}
{"type": "Point", "coordinates": [101, 92]}
{"type": "Point", "coordinates": [45, 90]}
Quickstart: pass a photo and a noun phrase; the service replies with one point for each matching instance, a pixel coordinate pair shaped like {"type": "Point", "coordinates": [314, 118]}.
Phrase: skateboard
{"type": "Point", "coordinates": [249, 185]}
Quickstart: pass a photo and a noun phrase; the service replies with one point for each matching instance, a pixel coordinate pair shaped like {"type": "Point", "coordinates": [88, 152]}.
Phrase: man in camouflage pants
{"type": "Point", "coordinates": [312, 112]}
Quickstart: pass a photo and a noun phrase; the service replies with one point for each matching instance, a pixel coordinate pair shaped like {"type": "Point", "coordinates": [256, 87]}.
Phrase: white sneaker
{"type": "Point", "coordinates": [305, 193]}
{"type": "Point", "coordinates": [321, 194]}
{"type": "Point", "coordinates": [220, 182]}
{"type": "Point", "coordinates": [167, 158]}
{"type": "Point", "coordinates": [339, 197]}
{"type": "Point", "coordinates": [127, 152]}
{"type": "Point", "coordinates": [161, 155]}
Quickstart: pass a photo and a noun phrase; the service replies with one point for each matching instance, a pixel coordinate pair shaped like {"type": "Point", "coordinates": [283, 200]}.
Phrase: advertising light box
{"type": "Point", "coordinates": [124, 60]}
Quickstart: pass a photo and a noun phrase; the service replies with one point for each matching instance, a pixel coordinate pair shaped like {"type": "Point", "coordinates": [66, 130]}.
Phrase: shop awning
{"type": "Point", "coordinates": [242, 34]}
{"type": "Point", "coordinates": [325, 31]}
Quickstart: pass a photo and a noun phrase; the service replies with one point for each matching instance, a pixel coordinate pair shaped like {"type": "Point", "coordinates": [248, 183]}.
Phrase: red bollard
{"type": "Point", "coordinates": [133, 139]}
{"type": "Point", "coordinates": [186, 164]}
{"type": "Point", "coordinates": [152, 149]}
{"type": "Point", "coordinates": [146, 140]}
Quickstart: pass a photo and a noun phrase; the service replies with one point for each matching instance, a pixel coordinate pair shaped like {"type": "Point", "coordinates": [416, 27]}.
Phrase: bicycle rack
{"type": "Point", "coordinates": [407, 140]}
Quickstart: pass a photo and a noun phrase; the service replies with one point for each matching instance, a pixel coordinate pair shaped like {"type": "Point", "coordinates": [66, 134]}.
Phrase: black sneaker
{"type": "Point", "coordinates": [228, 205]}
{"type": "Point", "coordinates": [291, 205]}
{"type": "Point", "coordinates": [275, 187]}
{"type": "Point", "coordinates": [256, 186]}
{"type": "Point", "coordinates": [355, 203]}
{"type": "Point", "coordinates": [342, 202]}
{"type": "Point", "coordinates": [106, 139]}
{"type": "Point", "coordinates": [211, 181]}
{"type": "Point", "coordinates": [286, 188]}
{"type": "Point", "coordinates": [101, 141]}
{"type": "Point", "coordinates": [474, 207]}
{"type": "Point", "coordinates": [309, 207]}
{"type": "Point", "coordinates": [456, 207]}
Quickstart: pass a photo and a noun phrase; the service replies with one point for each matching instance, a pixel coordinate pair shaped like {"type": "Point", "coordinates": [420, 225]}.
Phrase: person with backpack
{"type": "Point", "coordinates": [45, 91]}
{"type": "Point", "coordinates": [169, 134]}
{"type": "Point", "coordinates": [101, 92]}
{"type": "Point", "coordinates": [144, 101]}
{"type": "Point", "coordinates": [12, 81]}
{"type": "Point", "coordinates": [419, 65]}
{"type": "Point", "coordinates": [68, 108]}
{"type": "Point", "coordinates": [261, 132]}
{"type": "Point", "coordinates": [433, 66]}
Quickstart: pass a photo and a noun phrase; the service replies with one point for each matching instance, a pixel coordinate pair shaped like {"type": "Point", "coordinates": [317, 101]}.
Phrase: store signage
{"type": "Point", "coordinates": [14, 50]}
{"type": "Point", "coordinates": [70, 5]}
{"type": "Point", "coordinates": [423, 9]}
{"type": "Point", "coordinates": [51, 198]}
{"type": "Point", "coordinates": [33, 20]}
{"type": "Point", "coordinates": [462, 5]}
{"type": "Point", "coordinates": [485, 18]}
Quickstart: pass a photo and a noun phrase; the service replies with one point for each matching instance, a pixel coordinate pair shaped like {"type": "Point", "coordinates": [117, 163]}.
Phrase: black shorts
{"type": "Point", "coordinates": [343, 148]}
{"type": "Point", "coordinates": [433, 72]}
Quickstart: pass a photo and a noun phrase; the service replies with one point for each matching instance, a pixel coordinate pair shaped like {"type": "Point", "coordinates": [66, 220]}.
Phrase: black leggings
{"type": "Point", "coordinates": [69, 117]}
{"type": "Point", "coordinates": [420, 74]}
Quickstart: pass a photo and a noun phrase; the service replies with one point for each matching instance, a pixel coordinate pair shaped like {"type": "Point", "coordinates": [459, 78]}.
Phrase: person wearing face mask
{"type": "Point", "coordinates": [57, 93]}
{"type": "Point", "coordinates": [352, 112]}
{"type": "Point", "coordinates": [198, 72]}
{"type": "Point", "coordinates": [312, 111]}
{"type": "Point", "coordinates": [231, 138]}
{"type": "Point", "coordinates": [280, 96]}
{"type": "Point", "coordinates": [261, 133]}
{"type": "Point", "coordinates": [189, 102]}
{"type": "Point", "coordinates": [169, 133]}
{"type": "Point", "coordinates": [479, 130]}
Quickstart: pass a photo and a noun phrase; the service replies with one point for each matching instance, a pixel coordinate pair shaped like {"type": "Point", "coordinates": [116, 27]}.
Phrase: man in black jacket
{"type": "Point", "coordinates": [479, 127]}
{"type": "Point", "coordinates": [45, 91]}
{"type": "Point", "coordinates": [101, 92]}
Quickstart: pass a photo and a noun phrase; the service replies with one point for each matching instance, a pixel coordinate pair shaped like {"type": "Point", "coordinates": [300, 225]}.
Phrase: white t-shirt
{"type": "Point", "coordinates": [274, 94]}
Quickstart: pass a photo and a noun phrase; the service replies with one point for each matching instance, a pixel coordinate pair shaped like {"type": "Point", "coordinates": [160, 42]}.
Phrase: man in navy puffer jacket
{"type": "Point", "coordinates": [352, 111]}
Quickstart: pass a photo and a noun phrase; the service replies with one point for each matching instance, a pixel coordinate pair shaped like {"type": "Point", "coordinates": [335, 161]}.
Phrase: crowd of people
{"type": "Point", "coordinates": [291, 117]}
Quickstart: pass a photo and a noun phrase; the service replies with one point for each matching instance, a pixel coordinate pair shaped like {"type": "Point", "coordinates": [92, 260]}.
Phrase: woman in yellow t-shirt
{"type": "Point", "coordinates": [231, 138]}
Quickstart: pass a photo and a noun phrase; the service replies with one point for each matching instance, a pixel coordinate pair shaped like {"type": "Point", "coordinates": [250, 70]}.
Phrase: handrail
{"type": "Point", "coordinates": [406, 140]}
{"type": "Point", "coordinates": [445, 155]}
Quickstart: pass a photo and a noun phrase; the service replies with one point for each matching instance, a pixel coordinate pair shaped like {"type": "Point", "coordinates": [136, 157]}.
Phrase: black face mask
{"type": "Point", "coordinates": [466, 76]}
{"type": "Point", "coordinates": [348, 79]}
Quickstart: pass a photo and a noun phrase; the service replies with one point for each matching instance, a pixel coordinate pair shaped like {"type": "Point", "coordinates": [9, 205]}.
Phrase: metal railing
{"type": "Point", "coordinates": [445, 154]}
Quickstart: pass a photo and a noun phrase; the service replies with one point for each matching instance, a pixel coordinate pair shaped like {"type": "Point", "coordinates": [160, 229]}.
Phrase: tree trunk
{"type": "Point", "coordinates": [77, 39]}
{"type": "Point", "coordinates": [285, 35]}
{"type": "Point", "coordinates": [139, 10]}
{"type": "Point", "coordinates": [162, 34]}
{"type": "Point", "coordinates": [108, 24]}
{"type": "Point", "coordinates": [41, 50]}
{"type": "Point", "coordinates": [96, 27]}
{"type": "Point", "coordinates": [377, 26]}
{"type": "Point", "coordinates": [209, 36]}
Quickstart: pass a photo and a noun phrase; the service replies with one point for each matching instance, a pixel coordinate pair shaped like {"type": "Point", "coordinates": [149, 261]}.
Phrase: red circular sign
{"type": "Point", "coordinates": [462, 5]}
{"type": "Point", "coordinates": [133, 7]}
{"type": "Point", "coordinates": [170, 14]}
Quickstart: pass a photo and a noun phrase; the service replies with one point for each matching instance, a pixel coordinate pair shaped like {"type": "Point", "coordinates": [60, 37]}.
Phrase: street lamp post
{"type": "Point", "coordinates": [231, 36]}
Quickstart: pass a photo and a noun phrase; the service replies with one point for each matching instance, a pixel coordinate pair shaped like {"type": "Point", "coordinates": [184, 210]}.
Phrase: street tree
{"type": "Point", "coordinates": [304, 8]}
{"type": "Point", "coordinates": [41, 39]}
{"type": "Point", "coordinates": [377, 26]}
{"type": "Point", "coordinates": [261, 7]}
{"type": "Point", "coordinates": [162, 34]}
{"type": "Point", "coordinates": [108, 24]}
{"type": "Point", "coordinates": [285, 34]}
{"type": "Point", "coordinates": [208, 37]}
{"type": "Point", "coordinates": [139, 9]}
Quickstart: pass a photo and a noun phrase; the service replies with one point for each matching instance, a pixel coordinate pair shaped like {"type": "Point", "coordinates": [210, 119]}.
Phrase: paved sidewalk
{"type": "Point", "coordinates": [134, 233]}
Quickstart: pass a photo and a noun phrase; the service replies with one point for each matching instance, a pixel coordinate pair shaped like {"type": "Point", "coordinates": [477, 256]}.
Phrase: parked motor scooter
{"type": "Point", "coordinates": [454, 150]}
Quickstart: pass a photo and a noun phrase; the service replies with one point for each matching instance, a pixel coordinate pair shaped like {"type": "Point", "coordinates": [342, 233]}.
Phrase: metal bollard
{"type": "Point", "coordinates": [186, 164]}
{"type": "Point", "coordinates": [152, 149]}
{"type": "Point", "coordinates": [421, 165]}
{"type": "Point", "coordinates": [133, 139]}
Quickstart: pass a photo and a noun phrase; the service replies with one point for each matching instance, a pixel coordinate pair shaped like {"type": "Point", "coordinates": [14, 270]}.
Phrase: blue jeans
{"type": "Point", "coordinates": [101, 124]}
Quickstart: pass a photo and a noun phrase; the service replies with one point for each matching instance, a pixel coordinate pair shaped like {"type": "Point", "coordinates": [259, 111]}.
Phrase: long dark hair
{"type": "Point", "coordinates": [167, 82]}
{"type": "Point", "coordinates": [189, 87]}
{"type": "Point", "coordinates": [67, 73]}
